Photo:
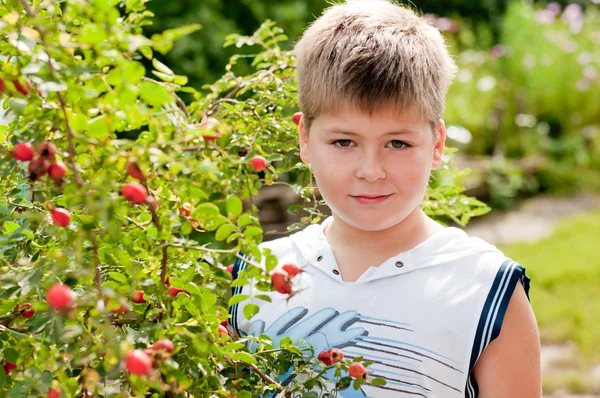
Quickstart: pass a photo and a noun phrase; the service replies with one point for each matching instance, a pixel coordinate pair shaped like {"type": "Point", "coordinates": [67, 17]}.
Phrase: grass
{"type": "Point", "coordinates": [565, 286]}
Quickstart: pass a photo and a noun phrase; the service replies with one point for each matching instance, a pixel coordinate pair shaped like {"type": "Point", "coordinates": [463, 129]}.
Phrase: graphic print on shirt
{"type": "Point", "coordinates": [397, 361]}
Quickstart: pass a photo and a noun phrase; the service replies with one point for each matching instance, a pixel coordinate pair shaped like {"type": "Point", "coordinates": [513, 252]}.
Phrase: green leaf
{"type": "Point", "coordinates": [11, 227]}
{"type": "Point", "coordinates": [233, 237]}
{"type": "Point", "coordinates": [263, 297]}
{"type": "Point", "coordinates": [11, 355]}
{"type": "Point", "coordinates": [238, 298]}
{"type": "Point", "coordinates": [253, 231]}
{"type": "Point", "coordinates": [224, 231]}
{"type": "Point", "coordinates": [155, 94]}
{"type": "Point", "coordinates": [234, 206]}
{"type": "Point", "coordinates": [214, 221]}
{"type": "Point", "coordinates": [244, 220]}
{"type": "Point", "coordinates": [161, 67]}
{"type": "Point", "coordinates": [203, 210]}
{"type": "Point", "coordinates": [234, 346]}
{"type": "Point", "coordinates": [244, 357]}
{"type": "Point", "coordinates": [118, 277]}
{"type": "Point", "coordinates": [358, 383]}
{"type": "Point", "coordinates": [378, 381]}
{"type": "Point", "coordinates": [250, 310]}
{"type": "Point", "coordinates": [134, 72]}
{"type": "Point", "coordinates": [7, 305]}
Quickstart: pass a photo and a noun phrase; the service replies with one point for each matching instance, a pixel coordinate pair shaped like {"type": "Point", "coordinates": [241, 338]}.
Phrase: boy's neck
{"type": "Point", "coordinates": [405, 235]}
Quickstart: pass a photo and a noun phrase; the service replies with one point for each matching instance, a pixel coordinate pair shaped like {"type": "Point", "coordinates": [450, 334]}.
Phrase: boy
{"type": "Point", "coordinates": [440, 314]}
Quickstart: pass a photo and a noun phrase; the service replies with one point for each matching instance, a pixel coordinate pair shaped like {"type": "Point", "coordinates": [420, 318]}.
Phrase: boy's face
{"type": "Point", "coordinates": [354, 155]}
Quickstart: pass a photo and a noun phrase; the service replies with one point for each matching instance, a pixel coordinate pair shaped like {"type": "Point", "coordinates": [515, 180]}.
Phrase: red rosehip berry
{"type": "Point", "coordinates": [47, 150]}
{"type": "Point", "coordinates": [325, 357]}
{"type": "Point", "coordinates": [291, 269]}
{"type": "Point", "coordinates": [8, 367]}
{"type": "Point", "coordinates": [230, 268]}
{"type": "Point", "coordinates": [122, 309]}
{"type": "Point", "coordinates": [60, 296]}
{"type": "Point", "coordinates": [223, 331]}
{"type": "Point", "coordinates": [336, 355]}
{"type": "Point", "coordinates": [61, 217]}
{"type": "Point", "coordinates": [174, 291]}
{"type": "Point", "coordinates": [138, 297]}
{"type": "Point", "coordinates": [134, 192]}
{"type": "Point", "coordinates": [297, 116]}
{"type": "Point", "coordinates": [23, 151]}
{"type": "Point", "coordinates": [356, 370]}
{"type": "Point", "coordinates": [54, 393]}
{"type": "Point", "coordinates": [259, 163]}
{"type": "Point", "coordinates": [57, 170]}
{"type": "Point", "coordinates": [280, 280]}
{"type": "Point", "coordinates": [210, 124]}
{"type": "Point", "coordinates": [26, 310]}
{"type": "Point", "coordinates": [164, 345]}
{"type": "Point", "coordinates": [2, 85]}
{"type": "Point", "coordinates": [20, 88]}
{"type": "Point", "coordinates": [134, 171]}
{"type": "Point", "coordinates": [38, 166]}
{"type": "Point", "coordinates": [184, 210]}
{"type": "Point", "coordinates": [138, 362]}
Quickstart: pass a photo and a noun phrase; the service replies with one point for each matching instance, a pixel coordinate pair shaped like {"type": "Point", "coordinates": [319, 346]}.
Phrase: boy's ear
{"type": "Point", "coordinates": [438, 148]}
{"type": "Point", "coordinates": [303, 139]}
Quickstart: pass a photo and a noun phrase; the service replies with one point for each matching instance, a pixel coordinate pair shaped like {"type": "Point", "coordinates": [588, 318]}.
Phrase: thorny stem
{"type": "Point", "coordinates": [229, 95]}
{"type": "Point", "coordinates": [266, 378]}
{"type": "Point", "coordinates": [156, 221]}
{"type": "Point", "coordinates": [182, 106]}
{"type": "Point", "coordinates": [97, 278]}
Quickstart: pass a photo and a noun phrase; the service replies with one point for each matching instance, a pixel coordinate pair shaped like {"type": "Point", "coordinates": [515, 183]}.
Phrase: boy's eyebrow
{"type": "Point", "coordinates": [340, 131]}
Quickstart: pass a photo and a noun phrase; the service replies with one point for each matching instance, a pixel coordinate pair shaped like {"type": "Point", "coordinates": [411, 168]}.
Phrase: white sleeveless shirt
{"type": "Point", "coordinates": [423, 317]}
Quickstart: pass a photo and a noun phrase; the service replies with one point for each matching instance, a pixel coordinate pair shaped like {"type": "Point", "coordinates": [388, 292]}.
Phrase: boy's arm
{"type": "Point", "coordinates": [510, 365]}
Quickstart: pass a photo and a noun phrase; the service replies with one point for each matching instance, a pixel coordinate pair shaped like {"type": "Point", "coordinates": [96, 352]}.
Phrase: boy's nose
{"type": "Point", "coordinates": [370, 168]}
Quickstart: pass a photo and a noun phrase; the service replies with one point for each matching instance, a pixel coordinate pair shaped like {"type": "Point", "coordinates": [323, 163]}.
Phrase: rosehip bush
{"type": "Point", "coordinates": [128, 285]}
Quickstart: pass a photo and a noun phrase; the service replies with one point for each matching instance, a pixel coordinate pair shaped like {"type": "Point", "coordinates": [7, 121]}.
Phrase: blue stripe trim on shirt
{"type": "Point", "coordinates": [238, 266]}
{"type": "Point", "coordinates": [492, 315]}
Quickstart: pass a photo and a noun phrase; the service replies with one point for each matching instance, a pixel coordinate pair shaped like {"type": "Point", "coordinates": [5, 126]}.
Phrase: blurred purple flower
{"type": "Point", "coordinates": [572, 13]}
{"type": "Point", "coordinates": [497, 51]}
{"type": "Point", "coordinates": [545, 17]}
{"type": "Point", "coordinates": [576, 26]}
{"type": "Point", "coordinates": [554, 8]}
{"type": "Point", "coordinates": [585, 58]}
{"type": "Point", "coordinates": [590, 72]}
{"type": "Point", "coordinates": [583, 85]}
{"type": "Point", "coordinates": [447, 25]}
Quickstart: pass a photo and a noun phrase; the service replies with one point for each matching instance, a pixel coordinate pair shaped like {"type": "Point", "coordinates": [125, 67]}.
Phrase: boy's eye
{"type": "Point", "coordinates": [398, 144]}
{"type": "Point", "coordinates": [343, 143]}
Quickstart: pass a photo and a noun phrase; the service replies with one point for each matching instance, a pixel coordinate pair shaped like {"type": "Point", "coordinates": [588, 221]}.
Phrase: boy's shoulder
{"type": "Point", "coordinates": [451, 247]}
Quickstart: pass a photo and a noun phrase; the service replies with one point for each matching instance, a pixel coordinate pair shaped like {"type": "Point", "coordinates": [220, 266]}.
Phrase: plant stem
{"type": "Point", "coordinates": [61, 100]}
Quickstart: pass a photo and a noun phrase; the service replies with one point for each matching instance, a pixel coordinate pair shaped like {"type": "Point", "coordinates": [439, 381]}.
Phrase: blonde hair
{"type": "Point", "coordinates": [372, 54]}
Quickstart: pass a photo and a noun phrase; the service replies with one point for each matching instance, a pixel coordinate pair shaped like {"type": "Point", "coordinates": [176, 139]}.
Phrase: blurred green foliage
{"type": "Point", "coordinates": [566, 284]}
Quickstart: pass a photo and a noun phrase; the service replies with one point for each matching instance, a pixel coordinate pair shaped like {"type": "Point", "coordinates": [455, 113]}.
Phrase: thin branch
{"type": "Point", "coordinates": [182, 106]}
{"type": "Point", "coordinates": [152, 205]}
{"type": "Point", "coordinates": [266, 378]}
{"type": "Point", "coordinates": [61, 100]}
{"type": "Point", "coordinates": [214, 106]}
{"type": "Point", "coordinates": [193, 149]}
{"type": "Point", "coordinates": [97, 278]}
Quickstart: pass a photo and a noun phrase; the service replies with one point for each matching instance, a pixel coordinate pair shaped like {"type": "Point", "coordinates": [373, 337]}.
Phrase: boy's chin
{"type": "Point", "coordinates": [368, 223]}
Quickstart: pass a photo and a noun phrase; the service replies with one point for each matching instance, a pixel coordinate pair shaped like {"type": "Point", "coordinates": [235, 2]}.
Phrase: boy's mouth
{"type": "Point", "coordinates": [370, 199]}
